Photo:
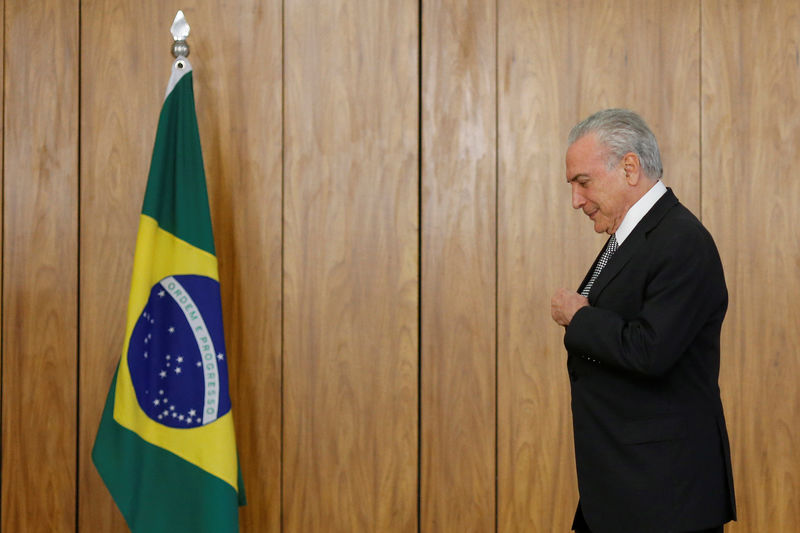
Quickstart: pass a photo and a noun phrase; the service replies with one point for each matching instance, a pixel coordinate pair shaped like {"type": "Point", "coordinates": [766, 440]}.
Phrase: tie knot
{"type": "Point", "coordinates": [612, 244]}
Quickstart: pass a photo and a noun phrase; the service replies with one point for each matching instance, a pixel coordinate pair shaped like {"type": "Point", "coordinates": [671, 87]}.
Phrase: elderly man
{"type": "Point", "coordinates": [643, 340]}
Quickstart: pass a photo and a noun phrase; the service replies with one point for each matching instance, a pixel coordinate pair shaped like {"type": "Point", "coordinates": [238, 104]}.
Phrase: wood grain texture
{"type": "Point", "coordinates": [350, 266]}
{"type": "Point", "coordinates": [238, 53]}
{"type": "Point", "coordinates": [751, 130]}
{"type": "Point", "coordinates": [345, 456]}
{"type": "Point", "coordinates": [557, 63]}
{"type": "Point", "coordinates": [2, 219]}
{"type": "Point", "coordinates": [40, 261]}
{"type": "Point", "coordinates": [457, 486]}
{"type": "Point", "coordinates": [125, 64]}
{"type": "Point", "coordinates": [239, 114]}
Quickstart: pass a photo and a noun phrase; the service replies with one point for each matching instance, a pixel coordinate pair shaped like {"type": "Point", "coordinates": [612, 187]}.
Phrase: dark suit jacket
{"type": "Point", "coordinates": [651, 446]}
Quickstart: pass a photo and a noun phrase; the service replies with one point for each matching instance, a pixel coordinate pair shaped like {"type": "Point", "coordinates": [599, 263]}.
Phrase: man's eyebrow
{"type": "Point", "coordinates": [576, 177]}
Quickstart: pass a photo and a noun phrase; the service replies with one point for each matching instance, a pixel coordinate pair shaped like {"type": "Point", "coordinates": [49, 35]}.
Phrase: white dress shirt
{"type": "Point", "coordinates": [638, 210]}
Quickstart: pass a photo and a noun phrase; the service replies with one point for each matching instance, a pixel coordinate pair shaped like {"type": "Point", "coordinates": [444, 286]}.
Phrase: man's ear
{"type": "Point", "coordinates": [632, 168]}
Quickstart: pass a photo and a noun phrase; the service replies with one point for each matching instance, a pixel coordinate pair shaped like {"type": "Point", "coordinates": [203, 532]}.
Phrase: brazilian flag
{"type": "Point", "coordinates": [166, 447]}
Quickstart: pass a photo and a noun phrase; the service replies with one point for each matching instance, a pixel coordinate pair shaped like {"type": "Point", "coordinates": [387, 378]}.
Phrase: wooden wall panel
{"type": "Point", "coordinates": [237, 52]}
{"type": "Point", "coordinates": [40, 260]}
{"type": "Point", "coordinates": [457, 486]}
{"type": "Point", "coordinates": [2, 233]}
{"type": "Point", "coordinates": [124, 70]}
{"type": "Point", "coordinates": [751, 131]}
{"type": "Point", "coordinates": [239, 113]}
{"type": "Point", "coordinates": [355, 450]}
{"type": "Point", "coordinates": [350, 266]}
{"type": "Point", "coordinates": [557, 63]}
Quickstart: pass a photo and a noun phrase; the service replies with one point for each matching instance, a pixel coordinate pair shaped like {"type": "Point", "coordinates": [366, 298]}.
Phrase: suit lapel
{"type": "Point", "coordinates": [620, 258]}
{"type": "Point", "coordinates": [633, 243]}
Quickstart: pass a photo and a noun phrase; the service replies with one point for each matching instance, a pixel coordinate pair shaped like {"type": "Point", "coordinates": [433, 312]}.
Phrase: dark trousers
{"type": "Point", "coordinates": [582, 527]}
{"type": "Point", "coordinates": [717, 529]}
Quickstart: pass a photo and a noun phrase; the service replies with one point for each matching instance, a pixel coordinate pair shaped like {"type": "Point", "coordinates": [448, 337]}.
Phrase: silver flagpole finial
{"type": "Point", "coordinates": [180, 31]}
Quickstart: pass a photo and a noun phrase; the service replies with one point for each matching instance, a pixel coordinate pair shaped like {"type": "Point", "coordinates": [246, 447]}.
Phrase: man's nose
{"type": "Point", "coordinates": [578, 201]}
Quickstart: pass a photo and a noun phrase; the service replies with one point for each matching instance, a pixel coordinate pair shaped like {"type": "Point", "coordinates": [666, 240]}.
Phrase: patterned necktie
{"type": "Point", "coordinates": [607, 253]}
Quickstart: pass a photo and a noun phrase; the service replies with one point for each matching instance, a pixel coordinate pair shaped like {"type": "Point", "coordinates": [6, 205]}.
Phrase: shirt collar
{"type": "Point", "coordinates": [638, 210]}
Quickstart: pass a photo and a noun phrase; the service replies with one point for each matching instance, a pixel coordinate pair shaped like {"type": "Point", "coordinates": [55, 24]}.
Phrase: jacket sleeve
{"type": "Point", "coordinates": [685, 288]}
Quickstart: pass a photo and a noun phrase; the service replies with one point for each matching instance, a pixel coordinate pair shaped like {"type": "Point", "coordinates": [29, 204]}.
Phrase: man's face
{"type": "Point", "coordinates": [599, 192]}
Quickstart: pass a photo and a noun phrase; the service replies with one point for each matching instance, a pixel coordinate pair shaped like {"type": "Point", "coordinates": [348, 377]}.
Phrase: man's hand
{"type": "Point", "coordinates": [564, 304]}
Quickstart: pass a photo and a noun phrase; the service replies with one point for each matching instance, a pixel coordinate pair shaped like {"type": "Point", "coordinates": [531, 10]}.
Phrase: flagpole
{"type": "Point", "coordinates": [180, 32]}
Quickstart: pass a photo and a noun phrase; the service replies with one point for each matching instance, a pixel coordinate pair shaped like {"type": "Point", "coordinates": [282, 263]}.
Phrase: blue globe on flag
{"type": "Point", "coordinates": [176, 354]}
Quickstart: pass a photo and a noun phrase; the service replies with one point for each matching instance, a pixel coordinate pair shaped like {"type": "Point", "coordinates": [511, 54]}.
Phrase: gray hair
{"type": "Point", "coordinates": [622, 131]}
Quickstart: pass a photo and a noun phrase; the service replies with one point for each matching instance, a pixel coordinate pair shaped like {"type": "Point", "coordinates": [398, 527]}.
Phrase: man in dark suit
{"type": "Point", "coordinates": [643, 340]}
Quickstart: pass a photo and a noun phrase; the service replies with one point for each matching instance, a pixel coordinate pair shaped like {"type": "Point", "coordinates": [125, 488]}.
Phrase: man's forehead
{"type": "Point", "coordinates": [583, 154]}
{"type": "Point", "coordinates": [588, 144]}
